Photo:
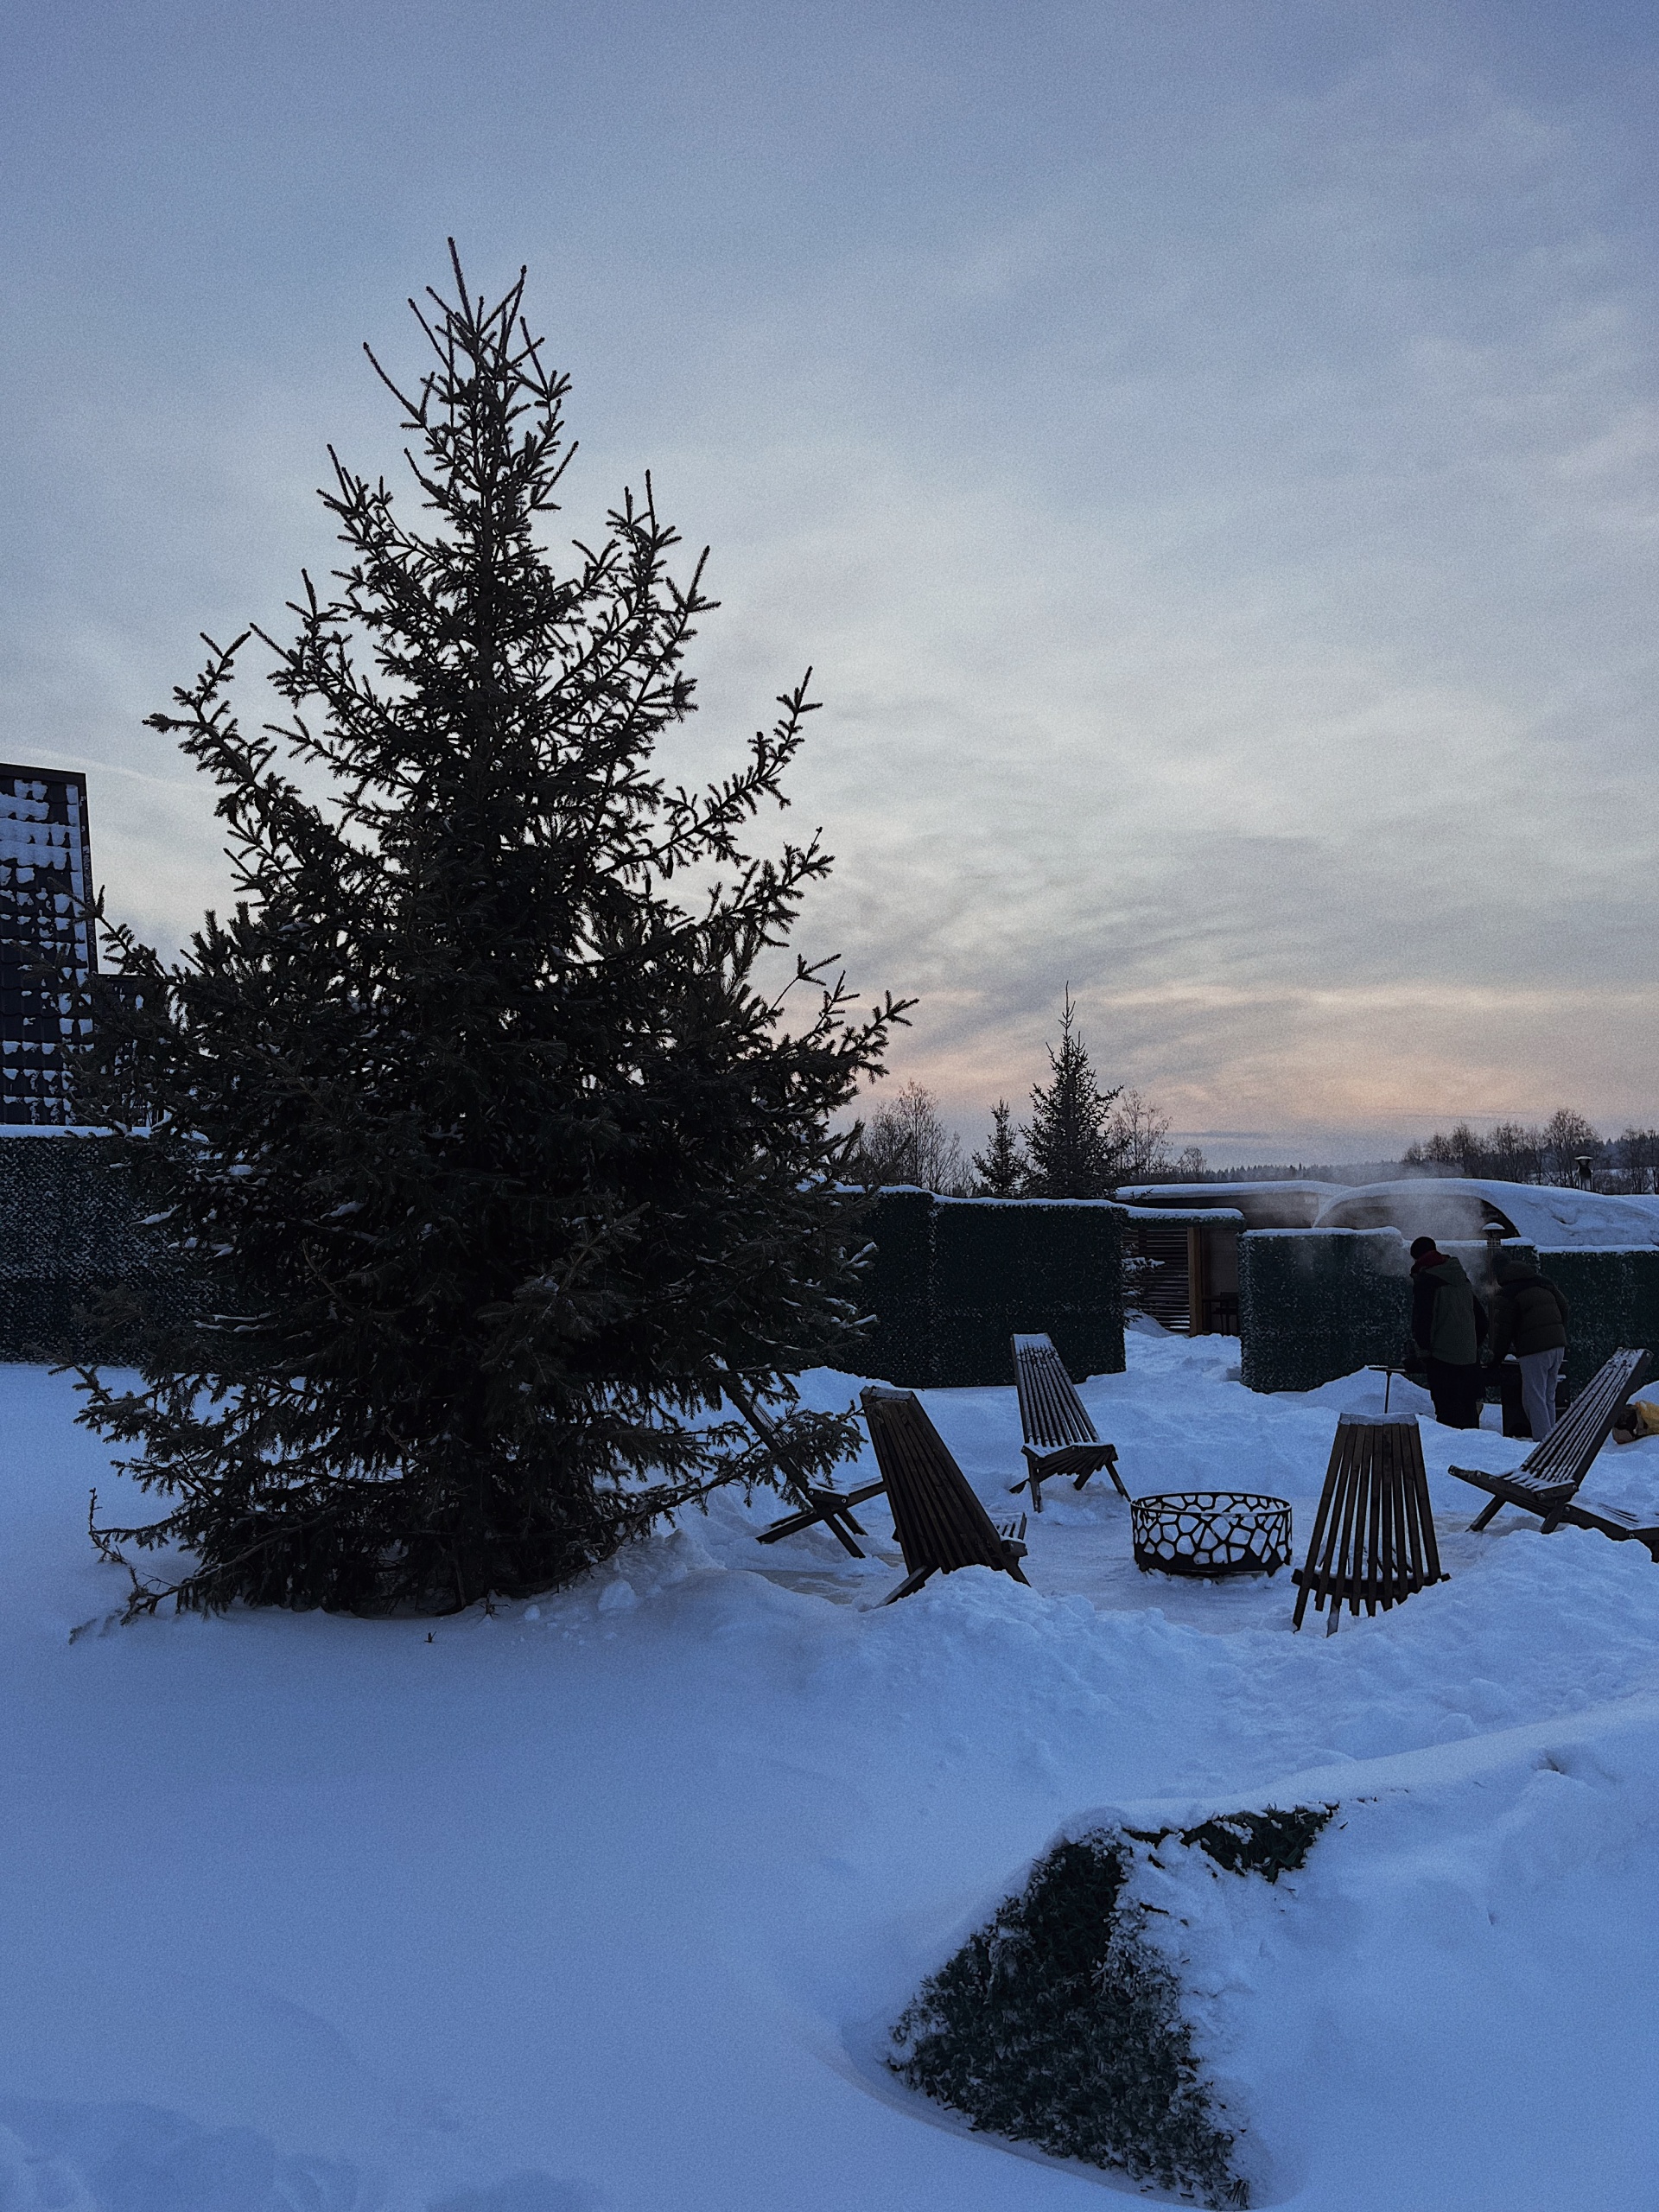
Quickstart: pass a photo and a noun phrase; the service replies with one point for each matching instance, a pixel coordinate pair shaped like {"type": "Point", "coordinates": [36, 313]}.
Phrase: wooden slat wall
{"type": "Point", "coordinates": [1164, 1291]}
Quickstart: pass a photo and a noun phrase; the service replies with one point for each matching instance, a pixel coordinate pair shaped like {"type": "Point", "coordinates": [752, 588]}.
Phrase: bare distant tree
{"type": "Point", "coordinates": [1466, 1150]}
{"type": "Point", "coordinates": [1637, 1153]}
{"type": "Point", "coordinates": [905, 1142]}
{"type": "Point", "coordinates": [1135, 1130]}
{"type": "Point", "coordinates": [1568, 1140]}
{"type": "Point", "coordinates": [1460, 1153]}
{"type": "Point", "coordinates": [1514, 1153]}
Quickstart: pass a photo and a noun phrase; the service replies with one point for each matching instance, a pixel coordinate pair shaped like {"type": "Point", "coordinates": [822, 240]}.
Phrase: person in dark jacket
{"type": "Point", "coordinates": [1447, 1323]}
{"type": "Point", "coordinates": [1529, 1318]}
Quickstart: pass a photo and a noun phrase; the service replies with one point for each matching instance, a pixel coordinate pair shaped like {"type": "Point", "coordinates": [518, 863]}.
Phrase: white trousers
{"type": "Point", "coordinates": [1539, 1372]}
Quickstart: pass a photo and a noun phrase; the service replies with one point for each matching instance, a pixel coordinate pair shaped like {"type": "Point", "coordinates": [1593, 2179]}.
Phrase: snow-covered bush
{"type": "Point", "coordinates": [1058, 2023]}
{"type": "Point", "coordinates": [1269, 1844]}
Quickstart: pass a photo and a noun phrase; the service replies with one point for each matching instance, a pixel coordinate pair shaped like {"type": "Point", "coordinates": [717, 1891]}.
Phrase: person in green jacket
{"type": "Point", "coordinates": [1529, 1317]}
{"type": "Point", "coordinates": [1447, 1323]}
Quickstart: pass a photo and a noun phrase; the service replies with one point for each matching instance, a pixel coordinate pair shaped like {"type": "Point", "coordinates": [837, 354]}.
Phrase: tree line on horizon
{"type": "Point", "coordinates": [1082, 1142]}
{"type": "Point", "coordinates": [1565, 1149]}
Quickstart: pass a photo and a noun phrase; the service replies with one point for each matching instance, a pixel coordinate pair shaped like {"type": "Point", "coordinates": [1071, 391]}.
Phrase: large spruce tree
{"type": "Point", "coordinates": [504, 1172]}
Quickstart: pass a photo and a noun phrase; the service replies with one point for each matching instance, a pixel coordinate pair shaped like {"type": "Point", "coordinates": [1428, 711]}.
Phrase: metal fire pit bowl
{"type": "Point", "coordinates": [1210, 1532]}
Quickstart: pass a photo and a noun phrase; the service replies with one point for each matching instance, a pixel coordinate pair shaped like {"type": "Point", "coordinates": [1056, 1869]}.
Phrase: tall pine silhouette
{"type": "Point", "coordinates": [510, 1168]}
{"type": "Point", "coordinates": [1069, 1141]}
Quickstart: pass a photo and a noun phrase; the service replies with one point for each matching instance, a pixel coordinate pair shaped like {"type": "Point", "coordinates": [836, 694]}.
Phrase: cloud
{"type": "Point", "coordinates": [1303, 725]}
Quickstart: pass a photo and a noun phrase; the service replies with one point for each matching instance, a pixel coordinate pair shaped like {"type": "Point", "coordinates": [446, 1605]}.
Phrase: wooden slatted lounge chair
{"type": "Point", "coordinates": [1613, 1521]}
{"type": "Point", "coordinates": [1373, 1540]}
{"type": "Point", "coordinates": [1060, 1439]}
{"type": "Point", "coordinates": [1546, 1481]}
{"type": "Point", "coordinates": [834, 1507]}
{"type": "Point", "coordinates": [819, 1501]}
{"type": "Point", "coordinates": [939, 1522]}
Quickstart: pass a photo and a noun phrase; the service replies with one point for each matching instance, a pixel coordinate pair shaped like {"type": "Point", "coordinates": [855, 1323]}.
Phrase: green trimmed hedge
{"type": "Point", "coordinates": [1315, 1303]}
{"type": "Point", "coordinates": [897, 1288]}
{"type": "Point", "coordinates": [951, 1280]}
{"type": "Point", "coordinates": [1613, 1300]}
{"type": "Point", "coordinates": [947, 1281]}
{"type": "Point", "coordinates": [70, 1234]}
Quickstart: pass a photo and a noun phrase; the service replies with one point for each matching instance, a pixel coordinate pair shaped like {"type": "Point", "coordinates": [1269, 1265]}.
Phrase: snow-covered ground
{"type": "Point", "coordinates": [605, 1902]}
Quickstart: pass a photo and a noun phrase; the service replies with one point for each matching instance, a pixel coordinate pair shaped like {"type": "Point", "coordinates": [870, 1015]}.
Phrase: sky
{"type": "Point", "coordinates": [1208, 454]}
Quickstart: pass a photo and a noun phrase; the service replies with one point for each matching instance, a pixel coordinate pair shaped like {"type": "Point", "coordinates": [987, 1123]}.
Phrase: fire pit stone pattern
{"type": "Point", "coordinates": [1210, 1532]}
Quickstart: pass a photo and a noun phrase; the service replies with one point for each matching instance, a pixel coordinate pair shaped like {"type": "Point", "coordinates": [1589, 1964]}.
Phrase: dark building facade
{"type": "Point", "coordinates": [47, 948]}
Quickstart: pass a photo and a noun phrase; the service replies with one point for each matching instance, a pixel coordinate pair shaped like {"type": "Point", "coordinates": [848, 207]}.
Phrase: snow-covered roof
{"type": "Point", "coordinates": [1024, 1204]}
{"type": "Point", "coordinates": [1454, 1206]}
{"type": "Point", "coordinates": [1449, 1207]}
{"type": "Point", "coordinates": [1264, 1206]}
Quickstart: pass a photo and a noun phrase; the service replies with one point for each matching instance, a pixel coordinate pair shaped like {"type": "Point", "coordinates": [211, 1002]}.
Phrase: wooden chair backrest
{"type": "Point", "coordinates": [938, 1521]}
{"type": "Point", "coordinates": [1563, 1460]}
{"type": "Point", "coordinates": [1051, 1412]}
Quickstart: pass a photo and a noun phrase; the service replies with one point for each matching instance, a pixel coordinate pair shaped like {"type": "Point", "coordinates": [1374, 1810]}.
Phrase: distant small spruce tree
{"type": "Point", "coordinates": [1000, 1169]}
{"type": "Point", "coordinates": [508, 1167]}
{"type": "Point", "coordinates": [1069, 1142]}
